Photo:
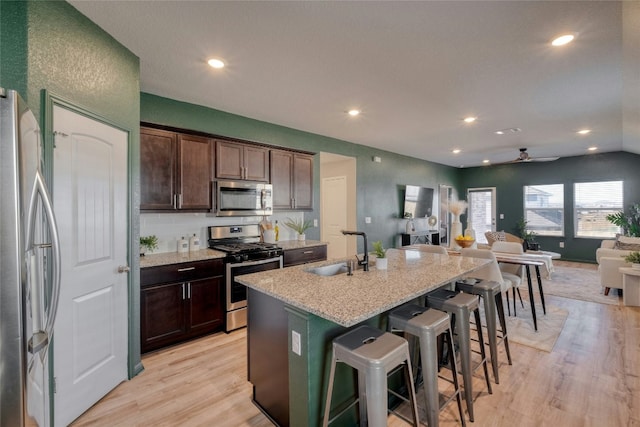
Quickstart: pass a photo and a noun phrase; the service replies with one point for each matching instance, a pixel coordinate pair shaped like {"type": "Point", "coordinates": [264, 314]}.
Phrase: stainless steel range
{"type": "Point", "coordinates": [245, 254]}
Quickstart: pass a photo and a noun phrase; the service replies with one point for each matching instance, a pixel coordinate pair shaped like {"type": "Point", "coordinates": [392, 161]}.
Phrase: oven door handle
{"type": "Point", "coordinates": [248, 263]}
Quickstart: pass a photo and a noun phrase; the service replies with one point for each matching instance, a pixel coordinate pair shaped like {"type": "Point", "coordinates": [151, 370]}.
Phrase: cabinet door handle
{"type": "Point", "coordinates": [186, 269]}
{"type": "Point", "coordinates": [183, 292]}
{"type": "Point", "coordinates": [307, 252]}
{"type": "Point", "coordinates": [175, 198]}
{"type": "Point", "coordinates": [180, 201]}
{"type": "Point", "coordinates": [189, 290]}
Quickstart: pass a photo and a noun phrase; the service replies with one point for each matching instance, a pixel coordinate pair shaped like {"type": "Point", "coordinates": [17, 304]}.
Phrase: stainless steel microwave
{"type": "Point", "coordinates": [243, 198]}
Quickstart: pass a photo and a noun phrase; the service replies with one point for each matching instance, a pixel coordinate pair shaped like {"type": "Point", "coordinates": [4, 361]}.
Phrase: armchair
{"type": "Point", "coordinates": [609, 262]}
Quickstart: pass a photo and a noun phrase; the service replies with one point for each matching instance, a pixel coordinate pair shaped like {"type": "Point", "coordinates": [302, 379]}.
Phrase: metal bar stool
{"type": "Point", "coordinates": [427, 325]}
{"type": "Point", "coordinates": [374, 354]}
{"type": "Point", "coordinates": [491, 295]}
{"type": "Point", "coordinates": [460, 306]}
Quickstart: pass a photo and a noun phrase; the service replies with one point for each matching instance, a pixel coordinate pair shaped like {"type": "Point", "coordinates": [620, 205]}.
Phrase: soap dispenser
{"type": "Point", "coordinates": [194, 243]}
{"type": "Point", "coordinates": [183, 245]}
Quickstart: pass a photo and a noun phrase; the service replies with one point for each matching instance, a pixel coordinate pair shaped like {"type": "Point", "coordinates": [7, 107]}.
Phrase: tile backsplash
{"type": "Point", "coordinates": [170, 227]}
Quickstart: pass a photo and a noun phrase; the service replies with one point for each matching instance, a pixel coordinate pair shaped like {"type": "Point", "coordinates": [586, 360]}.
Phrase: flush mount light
{"type": "Point", "coordinates": [456, 151]}
{"type": "Point", "coordinates": [216, 63]}
{"type": "Point", "coordinates": [470, 119]}
{"type": "Point", "coordinates": [354, 113]}
{"type": "Point", "coordinates": [485, 161]}
{"type": "Point", "coordinates": [499, 132]}
{"type": "Point", "coordinates": [562, 40]}
{"type": "Point", "coordinates": [592, 148]}
{"type": "Point", "coordinates": [584, 131]}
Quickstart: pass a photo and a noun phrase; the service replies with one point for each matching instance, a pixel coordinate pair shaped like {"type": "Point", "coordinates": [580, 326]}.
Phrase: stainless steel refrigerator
{"type": "Point", "coordinates": [29, 269]}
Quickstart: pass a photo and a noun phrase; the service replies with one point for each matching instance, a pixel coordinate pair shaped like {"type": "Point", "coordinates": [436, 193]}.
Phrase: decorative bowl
{"type": "Point", "coordinates": [465, 243]}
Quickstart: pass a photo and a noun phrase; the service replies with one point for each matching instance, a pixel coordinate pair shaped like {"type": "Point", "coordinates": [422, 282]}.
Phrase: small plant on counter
{"type": "Point", "coordinates": [298, 225]}
{"type": "Point", "coordinates": [149, 243]}
{"type": "Point", "coordinates": [633, 257]}
{"type": "Point", "coordinates": [379, 250]}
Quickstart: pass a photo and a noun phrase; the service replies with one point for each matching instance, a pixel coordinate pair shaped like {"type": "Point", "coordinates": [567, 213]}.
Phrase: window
{"type": "Point", "coordinates": [593, 201]}
{"type": "Point", "coordinates": [544, 209]}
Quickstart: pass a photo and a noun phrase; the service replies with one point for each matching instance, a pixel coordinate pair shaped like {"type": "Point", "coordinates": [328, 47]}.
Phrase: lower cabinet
{"type": "Point", "coordinates": [179, 302]}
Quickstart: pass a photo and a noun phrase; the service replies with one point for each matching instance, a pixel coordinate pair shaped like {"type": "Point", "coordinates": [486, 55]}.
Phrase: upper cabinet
{"type": "Point", "coordinates": [176, 171]}
{"type": "Point", "coordinates": [292, 180]}
{"type": "Point", "coordinates": [235, 160]}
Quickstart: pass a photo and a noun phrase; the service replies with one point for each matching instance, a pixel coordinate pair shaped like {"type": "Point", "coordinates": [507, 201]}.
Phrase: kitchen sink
{"type": "Point", "coordinates": [329, 270]}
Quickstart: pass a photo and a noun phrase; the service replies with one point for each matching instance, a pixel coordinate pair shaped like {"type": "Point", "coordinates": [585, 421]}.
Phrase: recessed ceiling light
{"type": "Point", "coordinates": [216, 63]}
{"type": "Point", "coordinates": [354, 113]}
{"type": "Point", "coordinates": [485, 161]}
{"type": "Point", "coordinates": [584, 131]}
{"type": "Point", "coordinates": [500, 132]}
{"type": "Point", "coordinates": [592, 148]}
{"type": "Point", "coordinates": [456, 151]}
{"type": "Point", "coordinates": [562, 40]}
{"type": "Point", "coordinates": [470, 119]}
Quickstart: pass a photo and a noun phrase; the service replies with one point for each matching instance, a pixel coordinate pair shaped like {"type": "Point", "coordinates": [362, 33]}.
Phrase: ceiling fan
{"type": "Point", "coordinates": [524, 157]}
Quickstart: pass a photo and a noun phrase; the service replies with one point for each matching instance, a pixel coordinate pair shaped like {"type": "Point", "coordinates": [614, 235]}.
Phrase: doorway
{"type": "Point", "coordinates": [337, 203]}
{"type": "Point", "coordinates": [482, 211]}
{"type": "Point", "coordinates": [444, 194]}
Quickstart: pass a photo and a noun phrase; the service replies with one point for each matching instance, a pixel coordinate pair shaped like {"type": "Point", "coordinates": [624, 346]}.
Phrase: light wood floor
{"type": "Point", "coordinates": [591, 378]}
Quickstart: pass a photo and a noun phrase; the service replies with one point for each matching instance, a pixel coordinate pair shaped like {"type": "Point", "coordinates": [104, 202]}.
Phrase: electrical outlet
{"type": "Point", "coordinates": [501, 216]}
{"type": "Point", "coordinates": [315, 222]}
{"type": "Point", "coordinates": [295, 343]}
{"type": "Point", "coordinates": [367, 220]}
{"type": "Point", "coordinates": [562, 244]}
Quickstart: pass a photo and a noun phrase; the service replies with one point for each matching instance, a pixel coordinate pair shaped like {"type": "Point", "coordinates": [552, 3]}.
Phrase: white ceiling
{"type": "Point", "coordinates": [415, 69]}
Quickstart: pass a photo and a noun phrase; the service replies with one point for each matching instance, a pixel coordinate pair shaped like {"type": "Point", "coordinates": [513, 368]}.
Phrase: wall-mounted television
{"type": "Point", "coordinates": [418, 201]}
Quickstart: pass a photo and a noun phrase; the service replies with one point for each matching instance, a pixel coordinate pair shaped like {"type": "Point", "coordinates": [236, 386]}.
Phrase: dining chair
{"type": "Point", "coordinates": [512, 272]}
{"type": "Point", "coordinates": [490, 288]}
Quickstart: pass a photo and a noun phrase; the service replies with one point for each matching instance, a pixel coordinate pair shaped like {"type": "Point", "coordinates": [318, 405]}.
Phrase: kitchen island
{"type": "Point", "coordinates": [294, 315]}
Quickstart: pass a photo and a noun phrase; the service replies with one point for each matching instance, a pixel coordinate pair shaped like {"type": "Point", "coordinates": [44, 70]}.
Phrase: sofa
{"type": "Point", "coordinates": [610, 257]}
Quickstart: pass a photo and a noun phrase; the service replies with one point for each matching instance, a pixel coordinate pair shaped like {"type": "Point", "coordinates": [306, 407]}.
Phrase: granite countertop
{"type": "Point", "coordinates": [348, 300]}
{"type": "Point", "coordinates": [155, 260]}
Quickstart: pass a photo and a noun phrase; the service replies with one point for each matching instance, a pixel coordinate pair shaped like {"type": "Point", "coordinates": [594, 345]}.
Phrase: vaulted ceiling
{"type": "Point", "coordinates": [414, 69]}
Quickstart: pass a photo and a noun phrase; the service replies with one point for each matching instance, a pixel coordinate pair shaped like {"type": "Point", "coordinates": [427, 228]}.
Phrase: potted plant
{"type": "Point", "coordinates": [299, 226]}
{"type": "Point", "coordinates": [149, 243]}
{"type": "Point", "coordinates": [630, 223]}
{"type": "Point", "coordinates": [381, 255]}
{"type": "Point", "coordinates": [527, 236]}
{"type": "Point", "coordinates": [634, 259]}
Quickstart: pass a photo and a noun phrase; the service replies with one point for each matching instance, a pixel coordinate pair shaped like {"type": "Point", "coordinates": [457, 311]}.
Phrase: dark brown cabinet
{"type": "Point", "coordinates": [292, 180]}
{"type": "Point", "coordinates": [180, 301]}
{"type": "Point", "coordinates": [235, 160]}
{"type": "Point", "coordinates": [298, 256]}
{"type": "Point", "coordinates": [175, 171]}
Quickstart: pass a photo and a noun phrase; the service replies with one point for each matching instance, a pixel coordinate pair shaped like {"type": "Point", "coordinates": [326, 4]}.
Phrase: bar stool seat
{"type": "Point", "coordinates": [491, 294]}
{"type": "Point", "coordinates": [374, 354]}
{"type": "Point", "coordinates": [460, 306]}
{"type": "Point", "coordinates": [427, 325]}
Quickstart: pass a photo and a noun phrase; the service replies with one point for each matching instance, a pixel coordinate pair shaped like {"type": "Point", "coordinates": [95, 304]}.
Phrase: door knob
{"type": "Point", "coordinates": [123, 269]}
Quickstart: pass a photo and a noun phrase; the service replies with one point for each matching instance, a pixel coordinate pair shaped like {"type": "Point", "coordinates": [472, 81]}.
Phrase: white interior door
{"type": "Point", "coordinates": [334, 215]}
{"type": "Point", "coordinates": [482, 211]}
{"type": "Point", "coordinates": [90, 200]}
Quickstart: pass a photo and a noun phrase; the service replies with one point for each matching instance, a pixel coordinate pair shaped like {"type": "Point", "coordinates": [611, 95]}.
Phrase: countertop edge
{"type": "Point", "coordinates": [168, 258]}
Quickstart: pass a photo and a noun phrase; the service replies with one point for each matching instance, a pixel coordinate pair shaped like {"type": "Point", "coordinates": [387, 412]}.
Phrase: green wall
{"type": "Point", "coordinates": [50, 45]}
{"type": "Point", "coordinates": [510, 179]}
{"type": "Point", "coordinates": [380, 185]}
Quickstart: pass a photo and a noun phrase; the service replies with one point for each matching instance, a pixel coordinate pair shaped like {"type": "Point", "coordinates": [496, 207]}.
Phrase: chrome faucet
{"type": "Point", "coordinates": [365, 261]}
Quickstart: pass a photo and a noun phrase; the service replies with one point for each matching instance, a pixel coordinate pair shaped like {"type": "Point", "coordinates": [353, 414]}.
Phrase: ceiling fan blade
{"type": "Point", "coordinates": [542, 159]}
